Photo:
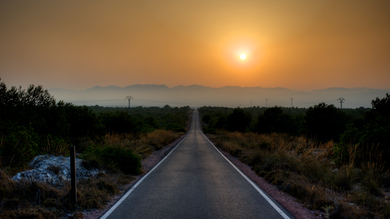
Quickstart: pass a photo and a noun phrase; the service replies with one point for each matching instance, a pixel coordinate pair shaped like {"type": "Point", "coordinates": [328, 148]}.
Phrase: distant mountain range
{"type": "Point", "coordinates": [230, 96]}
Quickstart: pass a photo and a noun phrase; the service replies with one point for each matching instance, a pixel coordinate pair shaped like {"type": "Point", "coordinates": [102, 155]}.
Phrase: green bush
{"type": "Point", "coordinates": [19, 147]}
{"type": "Point", "coordinates": [115, 158]}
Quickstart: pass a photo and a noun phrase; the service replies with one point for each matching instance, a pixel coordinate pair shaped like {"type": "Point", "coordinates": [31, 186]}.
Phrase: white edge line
{"type": "Point", "coordinates": [139, 182]}
{"type": "Point", "coordinates": [251, 182]}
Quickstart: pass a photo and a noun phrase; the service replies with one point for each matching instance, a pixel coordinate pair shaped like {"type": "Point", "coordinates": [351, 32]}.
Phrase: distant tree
{"type": "Point", "coordinates": [382, 106]}
{"type": "Point", "coordinates": [238, 120]}
{"type": "Point", "coordinates": [119, 122]}
{"type": "Point", "coordinates": [325, 122]}
{"type": "Point", "coordinates": [206, 118]}
{"type": "Point", "coordinates": [82, 120]}
{"type": "Point", "coordinates": [274, 120]}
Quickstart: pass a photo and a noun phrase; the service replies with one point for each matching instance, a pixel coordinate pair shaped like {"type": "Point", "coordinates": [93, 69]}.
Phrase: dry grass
{"type": "Point", "coordinates": [28, 199]}
{"type": "Point", "coordinates": [143, 144]}
{"type": "Point", "coordinates": [305, 169]}
{"type": "Point", "coordinates": [55, 147]}
{"type": "Point", "coordinates": [158, 138]}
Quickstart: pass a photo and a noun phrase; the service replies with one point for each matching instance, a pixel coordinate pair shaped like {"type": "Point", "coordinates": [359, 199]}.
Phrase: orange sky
{"type": "Point", "coordinates": [301, 45]}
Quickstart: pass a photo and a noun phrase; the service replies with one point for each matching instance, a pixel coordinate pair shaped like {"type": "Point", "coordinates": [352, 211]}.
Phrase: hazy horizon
{"type": "Point", "coordinates": [229, 96]}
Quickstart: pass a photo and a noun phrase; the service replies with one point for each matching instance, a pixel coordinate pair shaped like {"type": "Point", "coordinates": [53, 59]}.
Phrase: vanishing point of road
{"type": "Point", "coordinates": [195, 181]}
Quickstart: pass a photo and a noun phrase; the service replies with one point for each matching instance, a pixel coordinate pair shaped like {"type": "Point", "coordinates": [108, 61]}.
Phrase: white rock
{"type": "Point", "coordinates": [42, 170]}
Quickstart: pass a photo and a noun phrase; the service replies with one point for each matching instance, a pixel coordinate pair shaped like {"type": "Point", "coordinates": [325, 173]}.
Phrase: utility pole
{"type": "Point", "coordinates": [341, 101]}
{"type": "Point", "coordinates": [266, 102]}
{"type": "Point", "coordinates": [129, 98]}
{"type": "Point", "coordinates": [251, 104]}
{"type": "Point", "coordinates": [291, 102]}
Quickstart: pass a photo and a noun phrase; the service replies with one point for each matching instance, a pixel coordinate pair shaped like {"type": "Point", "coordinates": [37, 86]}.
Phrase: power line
{"type": "Point", "coordinates": [341, 101]}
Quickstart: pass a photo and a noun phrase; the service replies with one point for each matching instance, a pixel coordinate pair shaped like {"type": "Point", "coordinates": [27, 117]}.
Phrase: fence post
{"type": "Point", "coordinates": [73, 191]}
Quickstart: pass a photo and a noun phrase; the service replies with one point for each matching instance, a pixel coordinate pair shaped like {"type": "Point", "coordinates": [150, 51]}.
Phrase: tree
{"type": "Point", "coordinates": [325, 122]}
{"type": "Point", "coordinates": [369, 134]}
{"type": "Point", "coordinates": [382, 106]}
{"type": "Point", "coordinates": [274, 120]}
{"type": "Point", "coordinates": [238, 120]}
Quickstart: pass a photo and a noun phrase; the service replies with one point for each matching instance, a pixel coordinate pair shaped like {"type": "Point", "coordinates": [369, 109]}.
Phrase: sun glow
{"type": "Point", "coordinates": [243, 56]}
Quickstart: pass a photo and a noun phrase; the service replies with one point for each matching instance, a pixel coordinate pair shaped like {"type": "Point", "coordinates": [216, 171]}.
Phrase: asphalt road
{"type": "Point", "coordinates": [195, 181]}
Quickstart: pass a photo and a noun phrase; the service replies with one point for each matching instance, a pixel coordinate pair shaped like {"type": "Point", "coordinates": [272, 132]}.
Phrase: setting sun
{"type": "Point", "coordinates": [243, 56]}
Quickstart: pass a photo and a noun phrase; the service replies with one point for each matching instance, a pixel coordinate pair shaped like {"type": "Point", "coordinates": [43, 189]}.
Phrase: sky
{"type": "Point", "coordinates": [299, 45]}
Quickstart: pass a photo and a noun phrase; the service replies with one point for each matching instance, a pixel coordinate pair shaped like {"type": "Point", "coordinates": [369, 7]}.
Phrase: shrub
{"type": "Point", "coordinates": [19, 147]}
{"type": "Point", "coordinates": [238, 120]}
{"type": "Point", "coordinates": [325, 122]}
{"type": "Point", "coordinates": [124, 159]}
{"type": "Point", "coordinates": [274, 120]}
{"type": "Point", "coordinates": [115, 158]}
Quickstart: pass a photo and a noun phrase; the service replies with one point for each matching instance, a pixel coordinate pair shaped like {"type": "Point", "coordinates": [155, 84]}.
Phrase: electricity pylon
{"type": "Point", "coordinates": [266, 102]}
{"type": "Point", "coordinates": [129, 98]}
{"type": "Point", "coordinates": [341, 101]}
{"type": "Point", "coordinates": [291, 101]}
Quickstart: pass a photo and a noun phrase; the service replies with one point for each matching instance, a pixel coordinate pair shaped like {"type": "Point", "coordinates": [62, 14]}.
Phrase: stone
{"type": "Point", "coordinates": [54, 169]}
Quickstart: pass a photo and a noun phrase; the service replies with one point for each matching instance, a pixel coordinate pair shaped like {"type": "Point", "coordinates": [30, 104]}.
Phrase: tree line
{"type": "Point", "coordinates": [362, 127]}
{"type": "Point", "coordinates": [31, 119]}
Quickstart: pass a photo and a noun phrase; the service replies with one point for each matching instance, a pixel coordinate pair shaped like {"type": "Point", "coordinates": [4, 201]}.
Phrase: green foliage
{"type": "Point", "coordinates": [382, 106]}
{"type": "Point", "coordinates": [263, 120]}
{"type": "Point", "coordinates": [142, 119]}
{"type": "Point", "coordinates": [325, 122]}
{"type": "Point", "coordinates": [19, 147]}
{"type": "Point", "coordinates": [274, 120]}
{"type": "Point", "coordinates": [32, 123]}
{"type": "Point", "coordinates": [82, 121]}
{"type": "Point", "coordinates": [115, 158]}
{"type": "Point", "coordinates": [238, 120]}
{"type": "Point", "coordinates": [369, 134]}
{"type": "Point", "coordinates": [119, 122]}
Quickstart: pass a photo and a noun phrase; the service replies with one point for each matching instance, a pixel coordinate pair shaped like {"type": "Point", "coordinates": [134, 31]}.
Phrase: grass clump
{"type": "Point", "coordinates": [30, 199]}
{"type": "Point", "coordinates": [113, 158]}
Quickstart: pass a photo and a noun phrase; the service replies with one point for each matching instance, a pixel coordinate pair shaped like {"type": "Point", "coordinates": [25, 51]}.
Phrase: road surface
{"type": "Point", "coordinates": [195, 181]}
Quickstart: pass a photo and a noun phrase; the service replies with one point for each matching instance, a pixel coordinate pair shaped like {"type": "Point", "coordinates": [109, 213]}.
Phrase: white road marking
{"type": "Point", "coordinates": [251, 182]}
{"type": "Point", "coordinates": [139, 182]}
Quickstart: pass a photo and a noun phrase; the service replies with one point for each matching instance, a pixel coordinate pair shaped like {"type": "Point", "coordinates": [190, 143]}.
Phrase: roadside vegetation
{"type": "Point", "coordinates": [331, 160]}
{"type": "Point", "coordinates": [110, 139]}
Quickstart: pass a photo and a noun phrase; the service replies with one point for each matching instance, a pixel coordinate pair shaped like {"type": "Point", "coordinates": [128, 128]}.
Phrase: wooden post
{"type": "Point", "coordinates": [73, 191]}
